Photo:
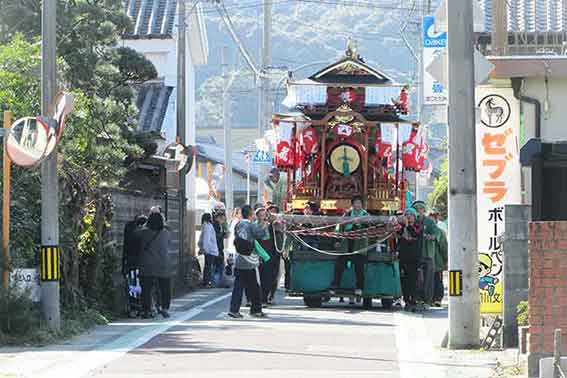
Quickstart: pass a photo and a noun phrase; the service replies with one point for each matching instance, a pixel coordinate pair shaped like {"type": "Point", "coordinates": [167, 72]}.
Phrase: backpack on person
{"type": "Point", "coordinates": [243, 247]}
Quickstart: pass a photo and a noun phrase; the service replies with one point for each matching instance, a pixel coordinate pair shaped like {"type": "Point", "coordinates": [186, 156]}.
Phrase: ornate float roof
{"type": "Point", "coordinates": [349, 81]}
{"type": "Point", "coordinates": [351, 70]}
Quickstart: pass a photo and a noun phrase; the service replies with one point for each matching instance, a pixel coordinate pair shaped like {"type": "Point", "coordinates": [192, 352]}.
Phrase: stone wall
{"type": "Point", "coordinates": [515, 264]}
{"type": "Point", "coordinates": [548, 289]}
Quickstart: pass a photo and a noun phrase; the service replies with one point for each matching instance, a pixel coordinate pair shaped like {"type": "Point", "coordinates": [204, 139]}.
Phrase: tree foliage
{"type": "Point", "coordinates": [99, 140]}
{"type": "Point", "coordinates": [438, 197]}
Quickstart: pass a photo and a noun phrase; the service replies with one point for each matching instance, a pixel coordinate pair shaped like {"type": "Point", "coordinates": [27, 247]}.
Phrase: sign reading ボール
{"type": "Point", "coordinates": [498, 184]}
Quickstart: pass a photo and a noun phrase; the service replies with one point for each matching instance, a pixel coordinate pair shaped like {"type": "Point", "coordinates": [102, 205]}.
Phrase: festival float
{"type": "Point", "coordinates": [348, 134]}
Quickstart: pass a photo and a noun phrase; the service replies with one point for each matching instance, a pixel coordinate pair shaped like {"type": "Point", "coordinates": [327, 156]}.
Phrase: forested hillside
{"type": "Point", "coordinates": [303, 32]}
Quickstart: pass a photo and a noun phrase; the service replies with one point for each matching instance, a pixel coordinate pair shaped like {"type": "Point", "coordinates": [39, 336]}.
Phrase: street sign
{"type": "Point", "coordinates": [434, 46]}
{"type": "Point", "coordinates": [64, 104]}
{"type": "Point", "coordinates": [439, 68]}
{"type": "Point", "coordinates": [262, 157]}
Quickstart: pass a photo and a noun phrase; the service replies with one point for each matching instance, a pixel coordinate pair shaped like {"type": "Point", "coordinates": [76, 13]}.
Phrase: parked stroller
{"type": "Point", "coordinates": [134, 306]}
{"type": "Point", "coordinates": [133, 293]}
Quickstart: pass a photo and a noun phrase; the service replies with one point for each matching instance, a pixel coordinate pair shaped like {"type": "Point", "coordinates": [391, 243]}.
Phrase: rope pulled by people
{"type": "Point", "coordinates": [366, 233]}
{"type": "Point", "coordinates": [334, 253]}
{"type": "Point", "coordinates": [329, 221]}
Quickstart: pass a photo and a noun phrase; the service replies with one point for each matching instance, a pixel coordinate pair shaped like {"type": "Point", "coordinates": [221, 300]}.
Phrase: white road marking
{"type": "Point", "coordinates": [84, 362]}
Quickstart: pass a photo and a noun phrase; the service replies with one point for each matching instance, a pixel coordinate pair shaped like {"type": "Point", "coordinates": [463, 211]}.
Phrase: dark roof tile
{"type": "Point", "coordinates": [152, 18]}
{"type": "Point", "coordinates": [152, 102]}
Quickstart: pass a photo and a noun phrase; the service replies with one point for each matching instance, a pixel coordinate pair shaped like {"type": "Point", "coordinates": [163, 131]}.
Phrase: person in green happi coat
{"type": "Point", "coordinates": [441, 259]}
{"type": "Point", "coordinates": [430, 248]}
{"type": "Point", "coordinates": [348, 246]}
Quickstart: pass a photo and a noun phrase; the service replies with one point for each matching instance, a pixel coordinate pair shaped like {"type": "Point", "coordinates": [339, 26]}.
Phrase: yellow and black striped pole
{"type": "Point", "coordinates": [455, 283]}
{"type": "Point", "coordinates": [50, 262]}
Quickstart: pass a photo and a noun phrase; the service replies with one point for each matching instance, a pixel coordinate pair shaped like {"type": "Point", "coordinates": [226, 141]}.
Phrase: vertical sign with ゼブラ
{"type": "Point", "coordinates": [498, 184]}
{"type": "Point", "coordinates": [434, 45]}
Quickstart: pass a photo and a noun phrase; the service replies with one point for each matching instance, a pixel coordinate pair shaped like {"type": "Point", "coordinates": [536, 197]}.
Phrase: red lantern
{"type": "Point", "coordinates": [383, 149]}
{"type": "Point", "coordinates": [310, 141]}
{"type": "Point", "coordinates": [285, 153]}
{"type": "Point", "coordinates": [414, 154]}
{"type": "Point", "coordinates": [410, 153]}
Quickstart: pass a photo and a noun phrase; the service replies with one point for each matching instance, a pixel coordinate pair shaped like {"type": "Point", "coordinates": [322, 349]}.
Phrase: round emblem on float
{"type": "Point", "coordinates": [345, 159]}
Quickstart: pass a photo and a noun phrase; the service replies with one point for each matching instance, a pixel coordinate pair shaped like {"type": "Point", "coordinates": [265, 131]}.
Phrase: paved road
{"type": "Point", "coordinates": [341, 341]}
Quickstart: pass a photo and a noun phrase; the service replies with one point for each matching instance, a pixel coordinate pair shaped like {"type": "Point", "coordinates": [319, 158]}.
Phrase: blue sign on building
{"type": "Point", "coordinates": [431, 38]}
{"type": "Point", "coordinates": [434, 45]}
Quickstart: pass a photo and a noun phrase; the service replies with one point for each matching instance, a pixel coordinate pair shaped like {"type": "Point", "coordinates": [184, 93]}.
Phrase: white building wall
{"type": "Point", "coordinates": [161, 52]}
{"type": "Point", "coordinates": [554, 120]}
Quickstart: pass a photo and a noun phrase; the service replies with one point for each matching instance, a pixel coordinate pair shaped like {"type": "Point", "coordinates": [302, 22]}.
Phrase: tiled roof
{"type": "Point", "coordinates": [531, 15]}
{"type": "Point", "coordinates": [152, 102]}
{"type": "Point", "coordinates": [152, 18]}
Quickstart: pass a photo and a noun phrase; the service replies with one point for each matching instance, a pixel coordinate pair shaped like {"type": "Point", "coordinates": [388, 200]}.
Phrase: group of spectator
{"type": "Point", "coordinates": [145, 254]}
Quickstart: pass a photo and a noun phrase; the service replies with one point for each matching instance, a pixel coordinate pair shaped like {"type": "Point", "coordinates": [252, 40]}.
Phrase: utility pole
{"type": "Point", "coordinates": [265, 109]}
{"type": "Point", "coordinates": [50, 255]}
{"type": "Point", "coordinates": [227, 125]}
{"type": "Point", "coordinates": [464, 304]}
{"type": "Point", "coordinates": [248, 161]}
{"type": "Point", "coordinates": [499, 33]}
{"type": "Point", "coordinates": [6, 185]}
{"type": "Point", "coordinates": [181, 126]}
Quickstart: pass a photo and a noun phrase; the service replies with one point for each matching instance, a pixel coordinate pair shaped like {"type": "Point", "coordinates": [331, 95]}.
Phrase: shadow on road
{"type": "Point", "coordinates": [177, 344]}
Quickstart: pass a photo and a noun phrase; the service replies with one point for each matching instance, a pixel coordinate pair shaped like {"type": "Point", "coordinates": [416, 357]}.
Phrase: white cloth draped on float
{"type": "Point", "coordinates": [309, 92]}
{"type": "Point", "coordinates": [390, 133]}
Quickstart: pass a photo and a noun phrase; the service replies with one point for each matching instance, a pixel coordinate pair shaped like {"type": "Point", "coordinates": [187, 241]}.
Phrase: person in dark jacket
{"type": "Point", "coordinates": [246, 264]}
{"type": "Point", "coordinates": [131, 245]}
{"type": "Point", "coordinates": [268, 269]}
{"type": "Point", "coordinates": [221, 233]}
{"type": "Point", "coordinates": [410, 250]}
{"type": "Point", "coordinates": [154, 264]}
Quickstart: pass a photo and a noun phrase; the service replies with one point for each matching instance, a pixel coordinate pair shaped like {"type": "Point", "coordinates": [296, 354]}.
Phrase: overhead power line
{"type": "Point", "coordinates": [223, 13]}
